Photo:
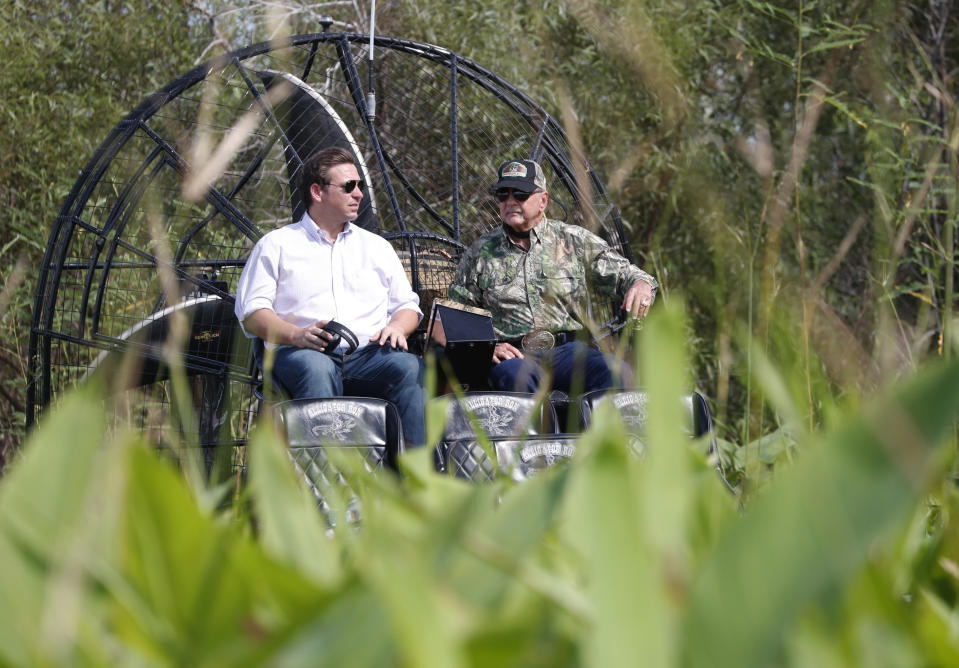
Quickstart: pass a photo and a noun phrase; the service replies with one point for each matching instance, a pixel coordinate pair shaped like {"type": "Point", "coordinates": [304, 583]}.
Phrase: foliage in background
{"type": "Point", "coordinates": [71, 71]}
{"type": "Point", "coordinates": [108, 557]}
{"type": "Point", "coordinates": [791, 169]}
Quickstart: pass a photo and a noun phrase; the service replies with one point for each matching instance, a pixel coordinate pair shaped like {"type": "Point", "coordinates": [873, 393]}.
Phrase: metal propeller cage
{"type": "Point", "coordinates": [442, 124]}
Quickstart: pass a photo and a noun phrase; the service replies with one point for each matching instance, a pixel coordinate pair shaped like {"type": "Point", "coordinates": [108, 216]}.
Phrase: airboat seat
{"type": "Point", "coordinates": [496, 415]}
{"type": "Point", "coordinates": [632, 406]}
{"type": "Point", "coordinates": [320, 432]}
{"type": "Point", "coordinates": [516, 458]}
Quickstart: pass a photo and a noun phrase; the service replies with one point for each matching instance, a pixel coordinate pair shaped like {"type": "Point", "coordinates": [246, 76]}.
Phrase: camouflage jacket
{"type": "Point", "coordinates": [547, 287]}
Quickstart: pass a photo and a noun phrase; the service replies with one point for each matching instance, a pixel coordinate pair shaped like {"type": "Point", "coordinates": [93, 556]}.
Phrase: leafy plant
{"type": "Point", "coordinates": [106, 556]}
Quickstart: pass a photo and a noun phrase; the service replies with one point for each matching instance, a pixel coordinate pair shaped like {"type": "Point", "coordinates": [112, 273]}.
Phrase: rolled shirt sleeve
{"type": "Point", "coordinates": [256, 288]}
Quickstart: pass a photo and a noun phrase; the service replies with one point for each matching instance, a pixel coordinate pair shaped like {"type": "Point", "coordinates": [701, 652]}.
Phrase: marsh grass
{"type": "Point", "coordinates": [109, 554]}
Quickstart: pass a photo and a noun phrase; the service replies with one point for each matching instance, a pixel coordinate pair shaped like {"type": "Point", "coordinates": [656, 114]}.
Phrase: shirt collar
{"type": "Point", "coordinates": [316, 233]}
{"type": "Point", "coordinates": [535, 233]}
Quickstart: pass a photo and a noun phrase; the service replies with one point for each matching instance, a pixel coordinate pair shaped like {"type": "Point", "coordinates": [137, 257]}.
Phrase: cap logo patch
{"type": "Point", "coordinates": [514, 170]}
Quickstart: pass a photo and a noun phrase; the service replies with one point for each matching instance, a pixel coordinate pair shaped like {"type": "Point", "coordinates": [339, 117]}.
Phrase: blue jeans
{"type": "Point", "coordinates": [372, 371]}
{"type": "Point", "coordinates": [576, 367]}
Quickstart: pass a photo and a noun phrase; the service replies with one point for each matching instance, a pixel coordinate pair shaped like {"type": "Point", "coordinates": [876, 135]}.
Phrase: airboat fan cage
{"type": "Point", "coordinates": [130, 252]}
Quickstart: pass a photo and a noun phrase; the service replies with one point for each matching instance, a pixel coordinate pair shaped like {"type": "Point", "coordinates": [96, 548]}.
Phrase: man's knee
{"type": "Point", "coordinates": [515, 375]}
{"type": "Point", "coordinates": [408, 369]}
{"type": "Point", "coordinates": [599, 375]}
{"type": "Point", "coordinates": [307, 373]}
{"type": "Point", "coordinates": [407, 392]}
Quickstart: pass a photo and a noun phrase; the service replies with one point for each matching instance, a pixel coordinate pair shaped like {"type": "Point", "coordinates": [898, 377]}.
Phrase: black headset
{"type": "Point", "coordinates": [340, 333]}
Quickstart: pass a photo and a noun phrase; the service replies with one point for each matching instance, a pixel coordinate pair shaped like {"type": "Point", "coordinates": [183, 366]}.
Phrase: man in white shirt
{"type": "Point", "coordinates": [322, 268]}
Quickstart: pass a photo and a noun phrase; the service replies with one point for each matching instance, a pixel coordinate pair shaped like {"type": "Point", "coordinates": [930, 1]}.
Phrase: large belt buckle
{"type": "Point", "coordinates": [539, 340]}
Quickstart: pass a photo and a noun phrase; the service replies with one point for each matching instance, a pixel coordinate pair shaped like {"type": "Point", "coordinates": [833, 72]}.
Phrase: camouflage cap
{"type": "Point", "coordinates": [523, 175]}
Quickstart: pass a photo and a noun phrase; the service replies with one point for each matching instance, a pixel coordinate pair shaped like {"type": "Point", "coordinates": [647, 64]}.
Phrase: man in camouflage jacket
{"type": "Point", "coordinates": [534, 275]}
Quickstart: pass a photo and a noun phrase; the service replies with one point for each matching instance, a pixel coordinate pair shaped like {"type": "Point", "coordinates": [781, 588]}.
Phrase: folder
{"type": "Point", "coordinates": [470, 340]}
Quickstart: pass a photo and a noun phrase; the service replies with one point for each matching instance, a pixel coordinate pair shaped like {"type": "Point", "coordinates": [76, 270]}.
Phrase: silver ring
{"type": "Point", "coordinates": [645, 303]}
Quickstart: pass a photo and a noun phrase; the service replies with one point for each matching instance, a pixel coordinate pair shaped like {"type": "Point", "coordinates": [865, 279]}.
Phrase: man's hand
{"type": "Point", "coordinates": [505, 351]}
{"type": "Point", "coordinates": [392, 334]}
{"type": "Point", "coordinates": [396, 330]}
{"type": "Point", "coordinates": [638, 298]}
{"type": "Point", "coordinates": [270, 327]}
{"type": "Point", "coordinates": [312, 336]}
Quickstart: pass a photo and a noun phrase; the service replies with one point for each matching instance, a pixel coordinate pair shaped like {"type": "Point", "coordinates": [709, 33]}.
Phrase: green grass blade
{"type": "Point", "coordinates": [603, 524]}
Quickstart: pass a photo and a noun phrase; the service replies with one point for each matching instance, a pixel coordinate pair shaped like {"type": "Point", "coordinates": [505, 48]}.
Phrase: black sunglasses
{"type": "Point", "coordinates": [503, 194]}
{"type": "Point", "coordinates": [349, 185]}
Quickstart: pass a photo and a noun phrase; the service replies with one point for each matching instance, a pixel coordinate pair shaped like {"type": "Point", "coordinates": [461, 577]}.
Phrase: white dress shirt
{"type": "Point", "coordinates": [299, 274]}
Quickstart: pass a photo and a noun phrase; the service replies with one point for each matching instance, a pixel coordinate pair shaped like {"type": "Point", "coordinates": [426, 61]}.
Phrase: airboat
{"type": "Point", "coordinates": [134, 252]}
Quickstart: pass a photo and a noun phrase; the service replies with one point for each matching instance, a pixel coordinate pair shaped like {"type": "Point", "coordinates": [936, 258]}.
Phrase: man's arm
{"type": "Point", "coordinates": [400, 326]}
{"type": "Point", "coordinates": [270, 327]}
{"type": "Point", "coordinates": [614, 274]}
{"type": "Point", "coordinates": [464, 290]}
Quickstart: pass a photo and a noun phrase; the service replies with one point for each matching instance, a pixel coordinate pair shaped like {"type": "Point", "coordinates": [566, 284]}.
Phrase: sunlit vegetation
{"type": "Point", "coordinates": [788, 171]}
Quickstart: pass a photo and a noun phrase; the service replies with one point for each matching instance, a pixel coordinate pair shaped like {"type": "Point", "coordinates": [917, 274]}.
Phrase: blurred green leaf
{"type": "Point", "coordinates": [420, 624]}
{"type": "Point", "coordinates": [193, 590]}
{"type": "Point", "coordinates": [47, 503]}
{"type": "Point", "coordinates": [665, 477]}
{"type": "Point", "coordinates": [799, 542]}
{"type": "Point", "coordinates": [629, 613]}
{"type": "Point", "coordinates": [346, 627]}
{"type": "Point", "coordinates": [516, 524]}
{"type": "Point", "coordinates": [290, 524]}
